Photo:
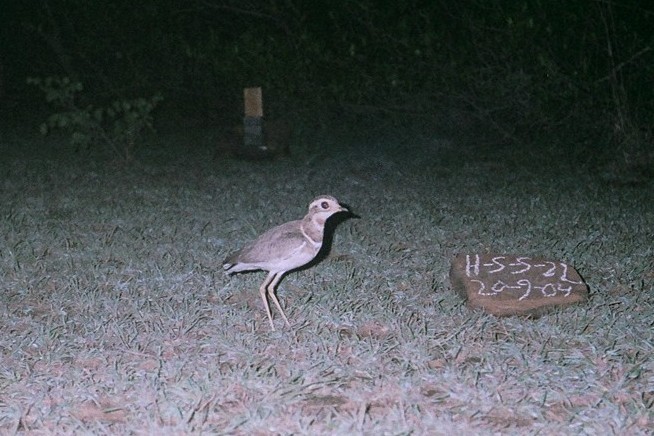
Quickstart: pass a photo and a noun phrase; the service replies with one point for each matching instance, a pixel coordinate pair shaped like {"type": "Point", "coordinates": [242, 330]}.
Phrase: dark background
{"type": "Point", "coordinates": [579, 73]}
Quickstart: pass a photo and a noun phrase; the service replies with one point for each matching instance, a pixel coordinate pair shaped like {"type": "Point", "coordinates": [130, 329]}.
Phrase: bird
{"type": "Point", "coordinates": [284, 248]}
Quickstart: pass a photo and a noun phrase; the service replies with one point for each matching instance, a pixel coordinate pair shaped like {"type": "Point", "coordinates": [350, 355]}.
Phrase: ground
{"type": "Point", "coordinates": [117, 317]}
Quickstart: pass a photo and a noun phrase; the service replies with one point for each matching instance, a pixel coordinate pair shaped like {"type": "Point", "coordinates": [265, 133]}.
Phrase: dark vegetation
{"type": "Point", "coordinates": [571, 73]}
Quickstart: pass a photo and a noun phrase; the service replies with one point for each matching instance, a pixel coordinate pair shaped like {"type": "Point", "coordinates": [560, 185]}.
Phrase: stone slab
{"type": "Point", "coordinates": [505, 285]}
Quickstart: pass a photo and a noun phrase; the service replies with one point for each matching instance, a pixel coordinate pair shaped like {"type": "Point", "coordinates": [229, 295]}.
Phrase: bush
{"type": "Point", "coordinates": [116, 126]}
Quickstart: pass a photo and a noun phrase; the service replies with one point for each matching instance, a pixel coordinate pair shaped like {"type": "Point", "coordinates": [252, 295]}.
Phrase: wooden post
{"type": "Point", "coordinates": [253, 102]}
{"type": "Point", "coordinates": [253, 136]}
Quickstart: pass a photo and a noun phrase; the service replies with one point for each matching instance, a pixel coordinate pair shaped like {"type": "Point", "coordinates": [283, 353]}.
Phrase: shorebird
{"type": "Point", "coordinates": [284, 248]}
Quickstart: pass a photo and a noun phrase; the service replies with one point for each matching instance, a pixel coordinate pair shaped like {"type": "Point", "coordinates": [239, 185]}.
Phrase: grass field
{"type": "Point", "coordinates": [117, 317]}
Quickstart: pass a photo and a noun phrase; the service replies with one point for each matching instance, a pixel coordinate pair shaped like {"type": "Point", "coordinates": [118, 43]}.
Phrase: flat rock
{"type": "Point", "coordinates": [506, 285]}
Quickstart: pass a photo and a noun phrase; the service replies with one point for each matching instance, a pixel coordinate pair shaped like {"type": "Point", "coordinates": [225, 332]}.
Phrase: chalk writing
{"type": "Point", "coordinates": [532, 277]}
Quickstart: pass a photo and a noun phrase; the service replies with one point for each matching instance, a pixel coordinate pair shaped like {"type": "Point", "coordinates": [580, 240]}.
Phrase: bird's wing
{"type": "Point", "coordinates": [278, 243]}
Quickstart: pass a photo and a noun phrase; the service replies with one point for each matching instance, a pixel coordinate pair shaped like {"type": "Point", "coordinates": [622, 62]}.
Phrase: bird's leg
{"type": "Point", "coordinates": [271, 292]}
{"type": "Point", "coordinates": [262, 290]}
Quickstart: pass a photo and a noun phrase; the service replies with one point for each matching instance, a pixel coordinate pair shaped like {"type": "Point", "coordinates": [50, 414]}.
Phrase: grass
{"type": "Point", "coordinates": [117, 318]}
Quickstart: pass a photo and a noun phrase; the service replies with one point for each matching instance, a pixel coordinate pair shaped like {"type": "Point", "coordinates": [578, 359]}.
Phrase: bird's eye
{"type": "Point", "coordinates": [324, 205]}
